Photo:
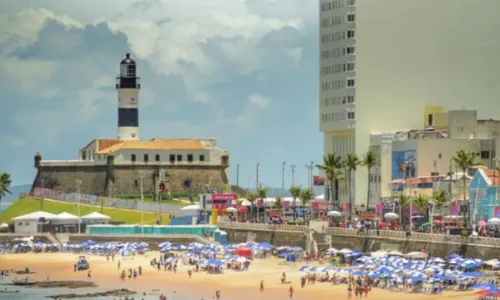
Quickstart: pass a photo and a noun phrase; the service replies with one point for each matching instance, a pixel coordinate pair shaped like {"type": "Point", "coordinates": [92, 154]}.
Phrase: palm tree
{"type": "Point", "coordinates": [306, 195]}
{"type": "Point", "coordinates": [332, 166]}
{"type": "Point", "coordinates": [421, 203]}
{"type": "Point", "coordinates": [440, 198]}
{"type": "Point", "coordinates": [278, 202]}
{"type": "Point", "coordinates": [295, 191]}
{"type": "Point", "coordinates": [251, 197]}
{"type": "Point", "coordinates": [465, 160]}
{"type": "Point", "coordinates": [5, 182]}
{"type": "Point", "coordinates": [262, 195]}
{"type": "Point", "coordinates": [403, 201]}
{"type": "Point", "coordinates": [350, 164]}
{"type": "Point", "coordinates": [369, 161]}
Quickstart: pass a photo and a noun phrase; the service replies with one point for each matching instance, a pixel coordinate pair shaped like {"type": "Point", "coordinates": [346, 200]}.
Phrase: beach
{"type": "Point", "coordinates": [232, 284]}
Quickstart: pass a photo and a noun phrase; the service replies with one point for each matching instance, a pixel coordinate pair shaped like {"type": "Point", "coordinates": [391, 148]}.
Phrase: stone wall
{"type": "Point", "coordinates": [277, 238]}
{"type": "Point", "coordinates": [109, 180]}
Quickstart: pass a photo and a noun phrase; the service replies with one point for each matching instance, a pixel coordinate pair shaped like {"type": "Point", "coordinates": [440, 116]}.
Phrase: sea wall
{"type": "Point", "coordinates": [367, 241]}
{"type": "Point", "coordinates": [109, 179]}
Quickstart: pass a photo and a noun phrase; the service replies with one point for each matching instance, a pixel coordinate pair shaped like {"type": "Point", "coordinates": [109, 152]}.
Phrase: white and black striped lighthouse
{"type": "Point", "coordinates": [128, 85]}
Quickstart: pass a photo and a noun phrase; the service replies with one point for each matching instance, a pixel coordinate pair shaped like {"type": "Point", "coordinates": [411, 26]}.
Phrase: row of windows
{"type": "Point", "coordinates": [172, 157]}
{"type": "Point", "coordinates": [338, 20]}
{"type": "Point", "coordinates": [338, 52]}
{"type": "Point", "coordinates": [338, 68]}
{"type": "Point", "coordinates": [338, 84]}
{"type": "Point", "coordinates": [338, 36]}
{"type": "Point", "coordinates": [349, 99]}
{"type": "Point", "coordinates": [336, 4]}
{"type": "Point", "coordinates": [337, 116]}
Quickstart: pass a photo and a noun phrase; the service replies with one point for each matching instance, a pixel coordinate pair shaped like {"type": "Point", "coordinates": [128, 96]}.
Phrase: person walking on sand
{"type": "Point", "coordinates": [89, 275]}
{"type": "Point", "coordinates": [349, 292]}
{"type": "Point", "coordinates": [290, 292]}
{"type": "Point", "coordinates": [217, 295]}
{"type": "Point", "coordinates": [261, 289]}
{"type": "Point", "coordinates": [119, 265]}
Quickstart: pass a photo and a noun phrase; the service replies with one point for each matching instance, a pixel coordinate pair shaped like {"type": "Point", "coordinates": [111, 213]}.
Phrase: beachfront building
{"type": "Point", "coordinates": [382, 61]}
{"type": "Point", "coordinates": [484, 191]}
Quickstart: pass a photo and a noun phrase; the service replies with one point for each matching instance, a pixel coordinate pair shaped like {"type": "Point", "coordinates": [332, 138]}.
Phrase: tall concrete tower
{"type": "Point", "coordinates": [128, 85]}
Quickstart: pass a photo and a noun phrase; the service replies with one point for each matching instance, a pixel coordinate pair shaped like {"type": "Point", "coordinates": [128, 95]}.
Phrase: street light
{"type": "Point", "coordinates": [257, 176]}
{"type": "Point", "coordinates": [141, 176]}
{"type": "Point", "coordinates": [41, 201]}
{"type": "Point", "coordinates": [293, 174]}
{"type": "Point", "coordinates": [238, 175]}
{"type": "Point", "coordinates": [283, 179]}
{"type": "Point", "coordinates": [78, 182]}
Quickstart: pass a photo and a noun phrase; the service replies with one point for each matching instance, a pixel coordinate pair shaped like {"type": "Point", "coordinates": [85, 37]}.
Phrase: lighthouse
{"type": "Point", "coordinates": [128, 85]}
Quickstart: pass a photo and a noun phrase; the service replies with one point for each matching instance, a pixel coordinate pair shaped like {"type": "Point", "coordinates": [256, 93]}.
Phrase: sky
{"type": "Point", "coordinates": [243, 72]}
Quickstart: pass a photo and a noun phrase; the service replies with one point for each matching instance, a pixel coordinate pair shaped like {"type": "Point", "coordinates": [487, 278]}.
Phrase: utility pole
{"type": "Point", "coordinates": [238, 175]}
{"type": "Point", "coordinates": [41, 201]}
{"type": "Point", "coordinates": [293, 174]}
{"type": "Point", "coordinates": [283, 179]}
{"type": "Point", "coordinates": [78, 182]}
{"type": "Point", "coordinates": [310, 168]}
{"type": "Point", "coordinates": [257, 176]}
{"type": "Point", "coordinates": [141, 176]}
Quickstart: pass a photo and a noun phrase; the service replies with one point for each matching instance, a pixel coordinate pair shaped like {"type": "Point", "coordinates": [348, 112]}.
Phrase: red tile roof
{"type": "Point", "coordinates": [493, 176]}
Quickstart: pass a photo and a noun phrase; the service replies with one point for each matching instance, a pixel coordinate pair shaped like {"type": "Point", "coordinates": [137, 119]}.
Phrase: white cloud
{"type": "Point", "coordinates": [259, 100]}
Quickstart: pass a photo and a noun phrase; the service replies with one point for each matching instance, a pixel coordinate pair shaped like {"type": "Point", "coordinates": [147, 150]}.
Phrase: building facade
{"type": "Point", "coordinates": [382, 61]}
{"type": "Point", "coordinates": [484, 193]}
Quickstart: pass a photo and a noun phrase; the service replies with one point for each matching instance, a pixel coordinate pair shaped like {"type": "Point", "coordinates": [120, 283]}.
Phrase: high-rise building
{"type": "Point", "coordinates": [382, 61]}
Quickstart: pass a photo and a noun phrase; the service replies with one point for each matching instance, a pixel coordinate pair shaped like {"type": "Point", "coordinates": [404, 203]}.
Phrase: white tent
{"type": "Point", "coordinates": [320, 197]}
{"type": "Point", "coordinates": [96, 216]}
{"type": "Point", "coordinates": [35, 216]}
{"type": "Point", "coordinates": [191, 207]}
{"type": "Point", "coordinates": [67, 216]}
{"type": "Point", "coordinates": [4, 225]}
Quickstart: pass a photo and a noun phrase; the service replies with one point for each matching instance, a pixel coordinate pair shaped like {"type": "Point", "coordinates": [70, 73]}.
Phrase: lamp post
{"type": "Point", "coordinates": [293, 174]}
{"type": "Point", "coordinates": [78, 182]}
{"type": "Point", "coordinates": [283, 179]}
{"type": "Point", "coordinates": [238, 175]}
{"type": "Point", "coordinates": [310, 175]}
{"type": "Point", "coordinates": [257, 176]}
{"type": "Point", "coordinates": [41, 201]}
{"type": "Point", "coordinates": [141, 176]}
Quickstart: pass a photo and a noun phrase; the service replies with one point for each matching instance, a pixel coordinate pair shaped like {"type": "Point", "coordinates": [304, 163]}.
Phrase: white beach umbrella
{"type": "Point", "coordinates": [494, 221]}
{"type": "Point", "coordinates": [391, 216]}
{"type": "Point", "coordinates": [231, 210]}
{"type": "Point", "coordinates": [334, 213]}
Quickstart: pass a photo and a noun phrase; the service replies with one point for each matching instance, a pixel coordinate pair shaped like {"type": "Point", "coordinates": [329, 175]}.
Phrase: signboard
{"type": "Point", "coordinates": [380, 209]}
{"type": "Point", "coordinates": [368, 216]}
{"type": "Point", "coordinates": [275, 213]}
{"type": "Point", "coordinates": [497, 212]}
{"type": "Point", "coordinates": [320, 205]}
{"type": "Point", "coordinates": [224, 197]}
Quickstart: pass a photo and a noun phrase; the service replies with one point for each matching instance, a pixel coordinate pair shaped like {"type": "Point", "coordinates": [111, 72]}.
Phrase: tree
{"type": "Point", "coordinates": [306, 195]}
{"type": "Point", "coordinates": [5, 182]}
{"type": "Point", "coordinates": [262, 195]}
{"type": "Point", "coordinates": [350, 164]}
{"type": "Point", "coordinates": [251, 197]}
{"type": "Point", "coordinates": [332, 166]}
{"type": "Point", "coordinates": [421, 203]}
{"type": "Point", "coordinates": [369, 161]}
{"type": "Point", "coordinates": [403, 201]}
{"type": "Point", "coordinates": [465, 160]}
{"type": "Point", "coordinates": [278, 202]}
{"type": "Point", "coordinates": [440, 198]}
{"type": "Point", "coordinates": [295, 191]}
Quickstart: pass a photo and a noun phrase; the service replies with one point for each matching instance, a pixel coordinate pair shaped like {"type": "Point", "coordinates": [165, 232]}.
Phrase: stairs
{"type": "Point", "coordinates": [54, 240]}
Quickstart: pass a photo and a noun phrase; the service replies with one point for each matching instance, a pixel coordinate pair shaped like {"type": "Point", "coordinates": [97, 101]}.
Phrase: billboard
{"type": "Point", "coordinates": [404, 164]}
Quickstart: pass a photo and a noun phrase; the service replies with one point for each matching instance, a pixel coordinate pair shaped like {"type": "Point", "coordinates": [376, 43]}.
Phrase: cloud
{"type": "Point", "coordinates": [220, 68]}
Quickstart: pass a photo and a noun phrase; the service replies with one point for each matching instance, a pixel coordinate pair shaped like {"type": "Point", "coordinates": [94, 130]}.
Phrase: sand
{"type": "Point", "coordinates": [233, 285]}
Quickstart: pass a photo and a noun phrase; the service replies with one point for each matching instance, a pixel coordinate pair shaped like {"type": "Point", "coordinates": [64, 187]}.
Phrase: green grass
{"type": "Point", "coordinates": [149, 198]}
{"type": "Point", "coordinates": [28, 205]}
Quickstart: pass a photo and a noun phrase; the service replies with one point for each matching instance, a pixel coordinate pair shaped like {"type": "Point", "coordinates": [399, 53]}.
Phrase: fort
{"type": "Point", "coordinates": [129, 165]}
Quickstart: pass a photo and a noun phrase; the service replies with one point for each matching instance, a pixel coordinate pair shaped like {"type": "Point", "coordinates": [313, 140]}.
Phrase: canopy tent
{"type": "Point", "coordinates": [67, 217]}
{"type": "Point", "coordinates": [191, 207]}
{"type": "Point", "coordinates": [4, 225]}
{"type": "Point", "coordinates": [96, 216]}
{"type": "Point", "coordinates": [35, 216]}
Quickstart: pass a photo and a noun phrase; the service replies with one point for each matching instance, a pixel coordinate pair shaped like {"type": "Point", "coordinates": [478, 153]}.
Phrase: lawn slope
{"type": "Point", "coordinates": [28, 205]}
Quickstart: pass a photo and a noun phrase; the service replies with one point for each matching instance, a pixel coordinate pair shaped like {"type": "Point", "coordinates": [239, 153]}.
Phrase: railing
{"type": "Point", "coordinates": [105, 201]}
{"type": "Point", "coordinates": [415, 236]}
{"type": "Point", "coordinates": [262, 226]}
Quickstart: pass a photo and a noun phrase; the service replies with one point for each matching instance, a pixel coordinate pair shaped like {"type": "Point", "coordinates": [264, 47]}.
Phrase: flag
{"type": "Point", "coordinates": [318, 181]}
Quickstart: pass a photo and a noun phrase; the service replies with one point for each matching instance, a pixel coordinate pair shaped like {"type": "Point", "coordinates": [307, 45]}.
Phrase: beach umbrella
{"type": "Point", "coordinates": [494, 221]}
{"type": "Point", "coordinates": [333, 213]}
{"type": "Point", "coordinates": [483, 286]}
{"type": "Point", "coordinates": [391, 216]}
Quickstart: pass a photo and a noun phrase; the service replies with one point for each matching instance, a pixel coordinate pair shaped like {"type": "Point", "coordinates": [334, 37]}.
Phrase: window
{"type": "Point", "coordinates": [146, 158]}
{"type": "Point", "coordinates": [350, 50]}
{"type": "Point", "coordinates": [84, 155]}
{"type": "Point", "coordinates": [349, 66]}
{"type": "Point", "coordinates": [350, 115]}
{"type": "Point", "coordinates": [172, 158]}
{"type": "Point", "coordinates": [351, 2]}
{"type": "Point", "coordinates": [485, 154]}
{"type": "Point", "coordinates": [430, 119]}
{"type": "Point", "coordinates": [131, 71]}
{"type": "Point", "coordinates": [350, 34]}
{"type": "Point", "coordinates": [190, 158]}
{"type": "Point", "coordinates": [440, 156]}
{"type": "Point", "coordinates": [351, 17]}
{"type": "Point", "coordinates": [157, 157]}
{"type": "Point", "coordinates": [136, 183]}
{"type": "Point", "coordinates": [350, 99]}
{"type": "Point", "coordinates": [132, 157]}
{"type": "Point", "coordinates": [202, 157]}
{"type": "Point", "coordinates": [351, 82]}
{"type": "Point", "coordinates": [179, 157]}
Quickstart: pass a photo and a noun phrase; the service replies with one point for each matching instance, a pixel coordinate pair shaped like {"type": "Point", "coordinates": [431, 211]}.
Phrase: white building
{"type": "Point", "coordinates": [382, 61]}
